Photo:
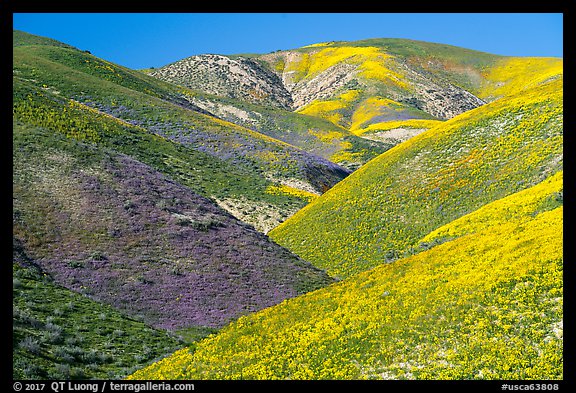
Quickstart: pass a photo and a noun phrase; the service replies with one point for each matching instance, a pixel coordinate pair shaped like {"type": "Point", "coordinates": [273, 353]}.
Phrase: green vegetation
{"type": "Point", "coordinates": [199, 171]}
{"type": "Point", "coordinates": [375, 81]}
{"type": "Point", "coordinates": [20, 38]}
{"type": "Point", "coordinates": [59, 334]}
{"type": "Point", "coordinates": [112, 228]}
{"type": "Point", "coordinates": [87, 98]}
{"type": "Point", "coordinates": [454, 64]}
{"type": "Point", "coordinates": [202, 172]}
{"type": "Point", "coordinates": [445, 246]}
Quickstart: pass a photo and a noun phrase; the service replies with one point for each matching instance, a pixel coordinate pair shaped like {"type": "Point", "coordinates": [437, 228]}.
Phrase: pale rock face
{"type": "Point", "coordinates": [322, 86]}
{"type": "Point", "coordinates": [239, 78]}
{"type": "Point", "coordinates": [395, 135]}
{"type": "Point", "coordinates": [441, 100]}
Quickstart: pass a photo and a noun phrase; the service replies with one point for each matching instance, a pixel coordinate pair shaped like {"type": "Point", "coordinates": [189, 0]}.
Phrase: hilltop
{"type": "Point", "coordinates": [382, 90]}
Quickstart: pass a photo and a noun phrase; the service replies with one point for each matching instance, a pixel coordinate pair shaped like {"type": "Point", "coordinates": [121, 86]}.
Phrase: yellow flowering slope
{"type": "Point", "coordinates": [381, 68]}
{"type": "Point", "coordinates": [514, 207]}
{"type": "Point", "coordinates": [512, 75]}
{"type": "Point", "coordinates": [371, 108]}
{"type": "Point", "coordinates": [382, 210]}
{"type": "Point", "coordinates": [390, 125]}
{"type": "Point", "coordinates": [487, 305]}
{"type": "Point", "coordinates": [330, 109]}
{"type": "Point", "coordinates": [283, 189]}
{"type": "Point", "coordinates": [371, 63]}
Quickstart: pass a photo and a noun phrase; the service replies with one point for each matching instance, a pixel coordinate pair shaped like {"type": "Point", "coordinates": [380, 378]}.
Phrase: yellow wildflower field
{"type": "Point", "coordinates": [486, 305]}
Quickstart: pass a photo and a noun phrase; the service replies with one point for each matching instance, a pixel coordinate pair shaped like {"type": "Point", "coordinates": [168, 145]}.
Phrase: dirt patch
{"type": "Point", "coordinates": [294, 183]}
{"type": "Point", "coordinates": [262, 216]}
{"type": "Point", "coordinates": [395, 135]}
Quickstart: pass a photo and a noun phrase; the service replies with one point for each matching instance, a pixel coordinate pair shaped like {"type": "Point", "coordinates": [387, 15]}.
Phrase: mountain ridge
{"type": "Point", "coordinates": [360, 85]}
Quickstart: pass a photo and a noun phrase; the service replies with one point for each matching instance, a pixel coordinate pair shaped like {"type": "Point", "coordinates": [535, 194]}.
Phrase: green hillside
{"type": "Point", "coordinates": [310, 133]}
{"type": "Point", "coordinates": [20, 38]}
{"type": "Point", "coordinates": [118, 218]}
{"type": "Point", "coordinates": [485, 305]}
{"type": "Point", "coordinates": [381, 211]}
{"type": "Point", "coordinates": [376, 209]}
{"type": "Point", "coordinates": [58, 86]}
{"type": "Point", "coordinates": [60, 334]}
{"type": "Point", "coordinates": [463, 67]}
{"type": "Point", "coordinates": [112, 228]}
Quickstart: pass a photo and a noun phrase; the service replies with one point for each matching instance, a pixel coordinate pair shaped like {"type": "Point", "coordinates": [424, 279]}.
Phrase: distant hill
{"type": "Point", "coordinates": [242, 78]}
{"type": "Point", "coordinates": [361, 87]}
{"type": "Point", "coordinates": [310, 133]}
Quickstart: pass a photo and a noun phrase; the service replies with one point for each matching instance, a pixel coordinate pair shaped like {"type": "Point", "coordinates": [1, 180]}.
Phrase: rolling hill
{"type": "Point", "coordinates": [310, 133]}
{"type": "Point", "coordinates": [114, 214]}
{"type": "Point", "coordinates": [348, 83]}
{"type": "Point", "coordinates": [486, 304]}
{"type": "Point", "coordinates": [105, 225]}
{"type": "Point", "coordinates": [223, 161]}
{"type": "Point", "coordinates": [382, 210]}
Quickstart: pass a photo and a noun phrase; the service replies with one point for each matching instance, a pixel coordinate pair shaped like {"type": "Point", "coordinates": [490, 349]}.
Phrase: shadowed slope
{"type": "Point", "coordinates": [122, 233]}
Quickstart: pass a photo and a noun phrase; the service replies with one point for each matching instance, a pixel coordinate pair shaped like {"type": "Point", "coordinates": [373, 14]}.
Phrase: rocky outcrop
{"type": "Point", "coordinates": [324, 85]}
{"type": "Point", "coordinates": [448, 101]}
{"type": "Point", "coordinates": [239, 78]}
{"type": "Point", "coordinates": [439, 98]}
